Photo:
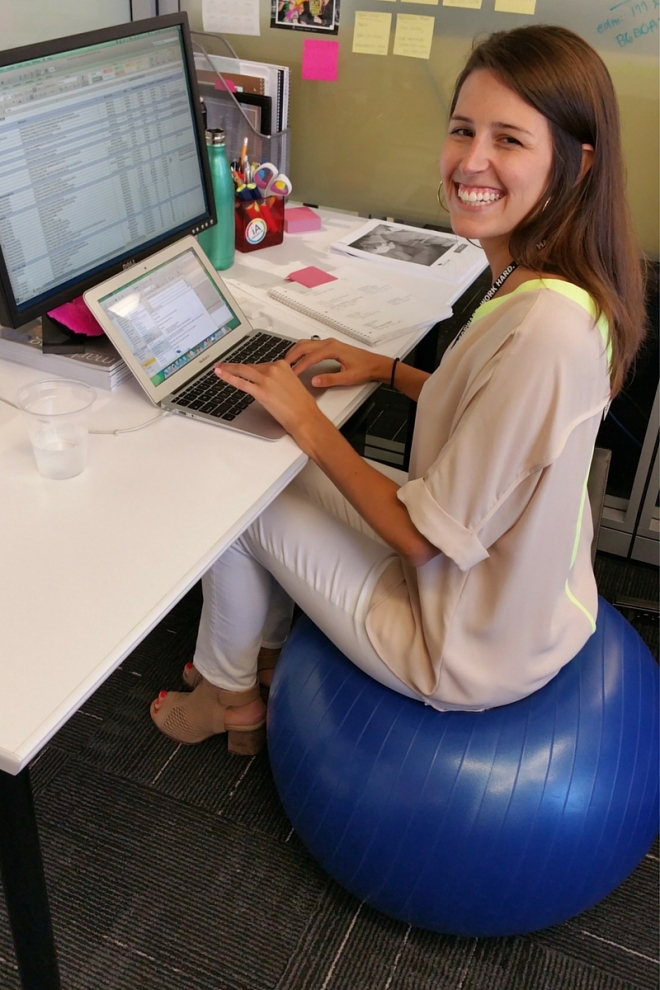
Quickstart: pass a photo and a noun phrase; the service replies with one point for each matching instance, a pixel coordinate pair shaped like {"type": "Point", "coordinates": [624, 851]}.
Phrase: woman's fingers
{"type": "Point", "coordinates": [328, 379]}
{"type": "Point", "coordinates": [308, 352]}
{"type": "Point", "coordinates": [228, 373]}
{"type": "Point", "coordinates": [276, 387]}
{"type": "Point", "coordinates": [357, 365]}
{"type": "Point", "coordinates": [254, 378]}
{"type": "Point", "coordinates": [240, 373]}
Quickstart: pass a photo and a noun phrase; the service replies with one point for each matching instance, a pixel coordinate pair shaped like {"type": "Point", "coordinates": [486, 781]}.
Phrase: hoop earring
{"type": "Point", "coordinates": [544, 207]}
{"type": "Point", "coordinates": [443, 206]}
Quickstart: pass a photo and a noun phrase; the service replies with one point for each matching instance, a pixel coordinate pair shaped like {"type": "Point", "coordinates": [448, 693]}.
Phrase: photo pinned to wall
{"type": "Point", "coordinates": [320, 16]}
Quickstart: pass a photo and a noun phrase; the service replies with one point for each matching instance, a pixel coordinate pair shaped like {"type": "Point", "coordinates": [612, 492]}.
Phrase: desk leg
{"type": "Point", "coordinates": [25, 885]}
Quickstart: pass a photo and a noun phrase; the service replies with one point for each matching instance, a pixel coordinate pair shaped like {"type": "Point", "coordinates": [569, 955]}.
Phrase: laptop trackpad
{"type": "Point", "coordinates": [322, 368]}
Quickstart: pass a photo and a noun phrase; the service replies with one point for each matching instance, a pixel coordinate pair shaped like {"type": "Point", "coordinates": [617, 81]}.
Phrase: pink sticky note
{"type": "Point", "coordinates": [227, 84]}
{"type": "Point", "coordinates": [320, 60]}
{"type": "Point", "coordinates": [77, 317]}
{"type": "Point", "coordinates": [311, 276]}
{"type": "Point", "coordinates": [299, 219]}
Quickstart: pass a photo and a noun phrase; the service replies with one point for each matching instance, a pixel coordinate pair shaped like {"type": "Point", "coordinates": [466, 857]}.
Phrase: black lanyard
{"type": "Point", "coordinates": [497, 284]}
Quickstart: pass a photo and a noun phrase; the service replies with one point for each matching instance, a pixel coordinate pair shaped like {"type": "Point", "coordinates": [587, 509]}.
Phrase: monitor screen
{"type": "Point", "coordinates": [101, 160]}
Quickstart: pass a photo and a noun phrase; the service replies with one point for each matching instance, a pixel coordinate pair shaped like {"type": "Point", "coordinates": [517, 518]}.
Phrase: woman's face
{"type": "Point", "coordinates": [496, 160]}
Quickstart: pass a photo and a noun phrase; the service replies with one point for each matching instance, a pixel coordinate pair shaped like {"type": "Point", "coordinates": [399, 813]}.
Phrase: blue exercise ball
{"type": "Point", "coordinates": [471, 823]}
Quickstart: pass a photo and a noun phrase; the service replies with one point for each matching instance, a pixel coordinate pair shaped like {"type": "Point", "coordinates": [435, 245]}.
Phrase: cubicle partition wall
{"type": "Point", "coordinates": [370, 141]}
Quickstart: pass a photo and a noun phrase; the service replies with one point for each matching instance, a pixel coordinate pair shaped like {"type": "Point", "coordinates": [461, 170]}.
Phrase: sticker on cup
{"type": "Point", "coordinates": [57, 416]}
{"type": "Point", "coordinates": [255, 231]}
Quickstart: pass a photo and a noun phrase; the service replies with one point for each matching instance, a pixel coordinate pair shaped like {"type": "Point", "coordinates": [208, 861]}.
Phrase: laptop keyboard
{"type": "Point", "coordinates": [210, 395]}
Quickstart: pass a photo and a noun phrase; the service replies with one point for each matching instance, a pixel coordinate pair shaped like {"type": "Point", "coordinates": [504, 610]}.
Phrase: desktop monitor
{"type": "Point", "coordinates": [102, 159]}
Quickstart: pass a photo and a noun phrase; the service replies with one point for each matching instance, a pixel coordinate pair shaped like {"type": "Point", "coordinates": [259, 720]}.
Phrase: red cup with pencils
{"type": "Point", "coordinates": [259, 207]}
{"type": "Point", "coordinates": [259, 223]}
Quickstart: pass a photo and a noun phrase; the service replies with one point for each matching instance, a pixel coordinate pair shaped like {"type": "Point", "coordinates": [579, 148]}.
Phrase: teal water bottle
{"type": "Point", "coordinates": [218, 241]}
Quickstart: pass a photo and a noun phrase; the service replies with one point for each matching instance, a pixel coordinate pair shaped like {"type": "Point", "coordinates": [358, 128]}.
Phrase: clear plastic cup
{"type": "Point", "coordinates": [57, 417]}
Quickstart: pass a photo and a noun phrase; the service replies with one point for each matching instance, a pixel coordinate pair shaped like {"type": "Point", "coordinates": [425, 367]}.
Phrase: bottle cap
{"type": "Point", "coordinates": [215, 135]}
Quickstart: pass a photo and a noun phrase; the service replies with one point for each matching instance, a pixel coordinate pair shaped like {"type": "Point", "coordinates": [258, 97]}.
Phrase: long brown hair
{"type": "Point", "coordinates": [580, 229]}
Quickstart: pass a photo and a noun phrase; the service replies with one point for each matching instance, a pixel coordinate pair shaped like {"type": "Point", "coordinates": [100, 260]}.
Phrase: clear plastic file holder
{"type": "Point", "coordinates": [223, 112]}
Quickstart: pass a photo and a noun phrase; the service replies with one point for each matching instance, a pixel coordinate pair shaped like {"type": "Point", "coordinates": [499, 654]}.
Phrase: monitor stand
{"type": "Point", "coordinates": [58, 339]}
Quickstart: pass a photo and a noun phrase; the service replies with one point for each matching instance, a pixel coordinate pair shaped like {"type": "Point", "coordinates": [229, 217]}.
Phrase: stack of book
{"type": "Point", "coordinates": [99, 365]}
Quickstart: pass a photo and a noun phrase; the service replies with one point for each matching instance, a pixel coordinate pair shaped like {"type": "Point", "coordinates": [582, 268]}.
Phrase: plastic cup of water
{"type": "Point", "coordinates": [57, 417]}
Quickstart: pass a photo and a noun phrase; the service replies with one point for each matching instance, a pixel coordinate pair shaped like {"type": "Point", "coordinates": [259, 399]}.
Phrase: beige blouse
{"type": "Point", "coordinates": [503, 442]}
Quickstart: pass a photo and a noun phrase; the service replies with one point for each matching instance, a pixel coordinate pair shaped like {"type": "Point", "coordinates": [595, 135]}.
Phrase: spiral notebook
{"type": "Point", "coordinates": [362, 307]}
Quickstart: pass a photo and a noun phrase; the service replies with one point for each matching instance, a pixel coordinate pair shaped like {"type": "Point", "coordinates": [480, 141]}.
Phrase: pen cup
{"type": "Point", "coordinates": [259, 223]}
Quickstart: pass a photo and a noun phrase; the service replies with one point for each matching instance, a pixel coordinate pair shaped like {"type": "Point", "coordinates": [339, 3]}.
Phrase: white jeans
{"type": "Point", "coordinates": [309, 545]}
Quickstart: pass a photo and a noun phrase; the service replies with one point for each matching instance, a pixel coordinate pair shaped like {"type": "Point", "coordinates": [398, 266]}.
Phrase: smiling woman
{"type": "Point", "coordinates": [467, 584]}
{"type": "Point", "coordinates": [495, 163]}
{"type": "Point", "coordinates": [546, 132]}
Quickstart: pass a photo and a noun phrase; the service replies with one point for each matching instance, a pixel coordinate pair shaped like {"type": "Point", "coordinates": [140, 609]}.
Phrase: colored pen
{"type": "Point", "coordinates": [271, 223]}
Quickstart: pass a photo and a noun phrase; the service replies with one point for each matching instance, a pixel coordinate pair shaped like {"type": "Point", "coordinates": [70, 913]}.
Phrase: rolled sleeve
{"type": "Point", "coordinates": [439, 528]}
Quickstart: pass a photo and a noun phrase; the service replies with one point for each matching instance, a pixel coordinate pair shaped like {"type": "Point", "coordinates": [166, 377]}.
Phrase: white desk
{"type": "Point", "coordinates": [90, 565]}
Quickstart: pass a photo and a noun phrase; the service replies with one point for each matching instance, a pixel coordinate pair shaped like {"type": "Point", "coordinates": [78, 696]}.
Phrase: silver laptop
{"type": "Point", "coordinates": [172, 318]}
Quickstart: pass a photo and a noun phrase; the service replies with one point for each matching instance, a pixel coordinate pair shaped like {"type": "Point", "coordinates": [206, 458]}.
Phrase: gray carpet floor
{"type": "Point", "coordinates": [174, 868]}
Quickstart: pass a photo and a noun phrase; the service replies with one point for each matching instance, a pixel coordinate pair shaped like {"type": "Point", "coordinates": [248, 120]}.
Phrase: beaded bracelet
{"type": "Point", "coordinates": [394, 364]}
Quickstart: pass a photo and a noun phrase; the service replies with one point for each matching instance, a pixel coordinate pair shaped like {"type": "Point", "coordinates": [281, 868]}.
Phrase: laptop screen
{"type": "Point", "coordinates": [170, 315]}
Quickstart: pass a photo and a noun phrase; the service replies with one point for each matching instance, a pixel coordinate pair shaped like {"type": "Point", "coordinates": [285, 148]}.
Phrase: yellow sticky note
{"type": "Point", "coordinates": [430, 3]}
{"type": "Point", "coordinates": [470, 4]}
{"type": "Point", "coordinates": [372, 33]}
{"type": "Point", "coordinates": [516, 6]}
{"type": "Point", "coordinates": [413, 36]}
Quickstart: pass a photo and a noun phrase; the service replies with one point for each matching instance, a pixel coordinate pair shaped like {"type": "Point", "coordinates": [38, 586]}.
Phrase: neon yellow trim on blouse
{"type": "Point", "coordinates": [583, 299]}
{"type": "Point", "coordinates": [592, 621]}
{"type": "Point", "coordinates": [579, 522]}
{"type": "Point", "coordinates": [576, 544]}
{"type": "Point", "coordinates": [568, 289]}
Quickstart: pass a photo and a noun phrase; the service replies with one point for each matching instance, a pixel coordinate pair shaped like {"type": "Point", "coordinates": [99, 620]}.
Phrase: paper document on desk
{"type": "Point", "coordinates": [362, 307]}
{"type": "Point", "coordinates": [419, 251]}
